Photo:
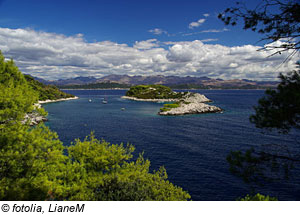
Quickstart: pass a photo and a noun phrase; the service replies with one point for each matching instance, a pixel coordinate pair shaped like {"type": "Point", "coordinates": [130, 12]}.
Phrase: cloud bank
{"type": "Point", "coordinates": [55, 56]}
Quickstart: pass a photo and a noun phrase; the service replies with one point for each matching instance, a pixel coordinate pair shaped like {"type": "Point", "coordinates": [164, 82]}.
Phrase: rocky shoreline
{"type": "Point", "coordinates": [192, 108]}
{"type": "Point", "coordinates": [191, 103]}
{"type": "Point", "coordinates": [35, 118]}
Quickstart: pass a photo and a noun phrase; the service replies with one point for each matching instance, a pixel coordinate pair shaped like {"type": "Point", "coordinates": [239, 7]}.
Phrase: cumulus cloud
{"type": "Point", "coordinates": [55, 56]}
{"type": "Point", "coordinates": [206, 15]}
{"type": "Point", "coordinates": [196, 24]}
{"type": "Point", "coordinates": [158, 31]}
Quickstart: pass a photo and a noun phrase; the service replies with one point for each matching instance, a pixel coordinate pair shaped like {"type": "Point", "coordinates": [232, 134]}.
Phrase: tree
{"type": "Point", "coordinates": [101, 171]}
{"type": "Point", "coordinates": [279, 109]}
{"type": "Point", "coordinates": [32, 163]}
{"type": "Point", "coordinates": [277, 20]}
{"type": "Point", "coordinates": [258, 197]}
{"type": "Point", "coordinates": [16, 97]}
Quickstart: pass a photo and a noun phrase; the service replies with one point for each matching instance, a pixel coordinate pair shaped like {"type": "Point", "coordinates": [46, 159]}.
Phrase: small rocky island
{"type": "Point", "coordinates": [181, 102]}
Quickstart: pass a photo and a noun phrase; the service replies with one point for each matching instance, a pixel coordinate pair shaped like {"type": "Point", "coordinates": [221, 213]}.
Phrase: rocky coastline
{"type": "Point", "coordinates": [191, 108]}
{"type": "Point", "coordinates": [35, 118]}
{"type": "Point", "coordinates": [191, 103]}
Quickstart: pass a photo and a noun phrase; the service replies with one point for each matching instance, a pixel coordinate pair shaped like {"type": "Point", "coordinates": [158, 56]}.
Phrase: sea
{"type": "Point", "coordinates": [192, 148]}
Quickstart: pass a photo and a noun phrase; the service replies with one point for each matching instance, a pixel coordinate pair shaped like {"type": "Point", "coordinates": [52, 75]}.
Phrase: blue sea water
{"type": "Point", "coordinates": [193, 148]}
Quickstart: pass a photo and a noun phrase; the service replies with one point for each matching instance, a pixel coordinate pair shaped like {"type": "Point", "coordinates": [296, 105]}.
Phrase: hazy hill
{"type": "Point", "coordinates": [172, 81]}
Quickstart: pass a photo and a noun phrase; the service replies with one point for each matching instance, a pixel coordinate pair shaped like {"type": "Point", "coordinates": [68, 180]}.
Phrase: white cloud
{"type": "Point", "coordinates": [54, 56]}
{"type": "Point", "coordinates": [158, 31]}
{"type": "Point", "coordinates": [233, 65]}
{"type": "Point", "coordinates": [209, 40]}
{"type": "Point", "coordinates": [206, 31]}
{"type": "Point", "coordinates": [206, 15]}
{"type": "Point", "coordinates": [215, 30]}
{"type": "Point", "coordinates": [196, 24]}
{"type": "Point", "coordinates": [147, 44]}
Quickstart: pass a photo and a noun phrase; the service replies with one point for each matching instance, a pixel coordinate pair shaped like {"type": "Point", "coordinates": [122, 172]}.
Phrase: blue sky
{"type": "Point", "coordinates": [124, 21]}
{"type": "Point", "coordinates": [166, 37]}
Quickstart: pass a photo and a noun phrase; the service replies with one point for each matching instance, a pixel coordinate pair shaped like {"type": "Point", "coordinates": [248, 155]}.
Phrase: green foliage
{"type": "Point", "coordinates": [34, 166]}
{"type": "Point", "coordinates": [16, 96]}
{"type": "Point", "coordinates": [32, 163]}
{"type": "Point", "coordinates": [168, 107]}
{"type": "Point", "coordinates": [102, 171]}
{"type": "Point", "coordinates": [45, 92]}
{"type": "Point", "coordinates": [280, 108]}
{"type": "Point", "coordinates": [175, 105]}
{"type": "Point", "coordinates": [153, 92]}
{"type": "Point", "coordinates": [258, 197]}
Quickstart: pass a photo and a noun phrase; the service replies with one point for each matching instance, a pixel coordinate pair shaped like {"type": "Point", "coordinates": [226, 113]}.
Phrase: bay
{"type": "Point", "coordinates": [193, 148]}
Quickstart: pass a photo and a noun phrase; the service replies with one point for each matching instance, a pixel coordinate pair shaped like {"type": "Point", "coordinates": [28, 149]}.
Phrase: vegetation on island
{"type": "Point", "coordinates": [154, 92]}
{"type": "Point", "coordinates": [36, 165]}
{"type": "Point", "coordinates": [46, 92]}
{"type": "Point", "coordinates": [168, 107]}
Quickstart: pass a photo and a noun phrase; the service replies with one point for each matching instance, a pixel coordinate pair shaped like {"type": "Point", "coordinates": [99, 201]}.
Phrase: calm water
{"type": "Point", "coordinates": [193, 148]}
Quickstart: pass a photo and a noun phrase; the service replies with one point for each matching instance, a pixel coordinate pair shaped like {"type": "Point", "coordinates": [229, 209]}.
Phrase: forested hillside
{"type": "Point", "coordinates": [46, 91]}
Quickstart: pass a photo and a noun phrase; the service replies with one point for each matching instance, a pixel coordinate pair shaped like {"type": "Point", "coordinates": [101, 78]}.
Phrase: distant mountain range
{"type": "Point", "coordinates": [172, 81]}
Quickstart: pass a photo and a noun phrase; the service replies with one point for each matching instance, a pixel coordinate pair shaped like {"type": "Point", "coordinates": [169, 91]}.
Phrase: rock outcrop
{"type": "Point", "coordinates": [33, 118]}
{"type": "Point", "coordinates": [192, 108]}
{"type": "Point", "coordinates": [190, 103]}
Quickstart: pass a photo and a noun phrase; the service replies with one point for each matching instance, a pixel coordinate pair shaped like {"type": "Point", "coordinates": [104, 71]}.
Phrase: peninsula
{"type": "Point", "coordinates": [46, 94]}
{"type": "Point", "coordinates": [181, 102]}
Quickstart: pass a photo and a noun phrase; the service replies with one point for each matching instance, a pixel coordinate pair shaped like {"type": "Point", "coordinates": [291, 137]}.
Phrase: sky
{"type": "Point", "coordinates": [60, 39]}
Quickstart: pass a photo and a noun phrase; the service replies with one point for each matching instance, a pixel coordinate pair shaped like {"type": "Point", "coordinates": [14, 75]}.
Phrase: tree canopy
{"type": "Point", "coordinates": [16, 96]}
{"type": "Point", "coordinates": [276, 20]}
{"type": "Point", "coordinates": [280, 108]}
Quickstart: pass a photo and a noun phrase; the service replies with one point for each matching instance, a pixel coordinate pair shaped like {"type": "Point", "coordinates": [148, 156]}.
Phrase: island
{"type": "Point", "coordinates": [179, 103]}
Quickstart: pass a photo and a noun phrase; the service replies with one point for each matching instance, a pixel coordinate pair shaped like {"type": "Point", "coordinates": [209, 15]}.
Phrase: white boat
{"type": "Point", "coordinates": [104, 101]}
